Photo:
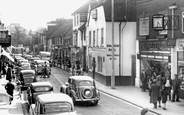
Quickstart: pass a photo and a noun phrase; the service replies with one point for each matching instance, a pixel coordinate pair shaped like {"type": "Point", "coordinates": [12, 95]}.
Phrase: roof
{"type": "Point", "coordinates": [83, 8]}
{"type": "Point", "coordinates": [82, 78]}
{"type": "Point", "coordinates": [54, 97]}
{"type": "Point", "coordinates": [27, 71]}
{"type": "Point", "coordinates": [61, 30]}
{"type": "Point", "coordinates": [35, 84]}
{"type": "Point", "coordinates": [121, 9]}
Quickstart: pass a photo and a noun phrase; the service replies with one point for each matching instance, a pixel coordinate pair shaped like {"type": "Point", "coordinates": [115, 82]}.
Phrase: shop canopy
{"type": "Point", "coordinates": [7, 55]}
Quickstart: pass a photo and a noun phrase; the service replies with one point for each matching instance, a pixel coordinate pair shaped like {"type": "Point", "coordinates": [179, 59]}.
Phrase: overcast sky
{"type": "Point", "coordinates": [33, 14]}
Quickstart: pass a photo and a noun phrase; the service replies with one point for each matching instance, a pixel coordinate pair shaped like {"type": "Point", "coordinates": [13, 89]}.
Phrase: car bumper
{"type": "Point", "coordinates": [91, 99]}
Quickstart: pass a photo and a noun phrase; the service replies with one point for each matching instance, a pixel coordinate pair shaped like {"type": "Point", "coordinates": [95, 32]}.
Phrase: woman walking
{"type": "Point", "coordinates": [164, 94]}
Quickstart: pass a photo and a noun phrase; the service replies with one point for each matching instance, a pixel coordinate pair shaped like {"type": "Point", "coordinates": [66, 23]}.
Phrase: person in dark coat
{"type": "Point", "coordinates": [9, 74]}
{"type": "Point", "coordinates": [144, 80]}
{"type": "Point", "coordinates": [4, 70]}
{"type": "Point", "coordinates": [175, 88]}
{"type": "Point", "coordinates": [154, 93]}
{"type": "Point", "coordinates": [9, 89]}
{"type": "Point", "coordinates": [164, 94]}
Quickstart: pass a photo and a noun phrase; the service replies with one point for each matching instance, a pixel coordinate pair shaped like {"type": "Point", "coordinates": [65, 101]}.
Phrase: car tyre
{"type": "Point", "coordinates": [95, 102]}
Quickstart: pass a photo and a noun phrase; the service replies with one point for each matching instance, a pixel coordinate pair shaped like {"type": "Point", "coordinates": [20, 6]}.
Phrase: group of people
{"type": "Point", "coordinates": [161, 87]}
{"type": "Point", "coordinates": [7, 72]}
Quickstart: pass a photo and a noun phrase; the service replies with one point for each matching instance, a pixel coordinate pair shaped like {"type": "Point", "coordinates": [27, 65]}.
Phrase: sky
{"type": "Point", "coordinates": [34, 14]}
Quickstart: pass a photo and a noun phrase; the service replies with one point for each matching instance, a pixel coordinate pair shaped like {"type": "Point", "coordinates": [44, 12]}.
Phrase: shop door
{"type": "Point", "coordinates": [133, 70]}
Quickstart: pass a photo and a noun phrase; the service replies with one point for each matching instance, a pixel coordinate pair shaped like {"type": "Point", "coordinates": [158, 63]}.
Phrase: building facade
{"type": "Point", "coordinates": [159, 44]}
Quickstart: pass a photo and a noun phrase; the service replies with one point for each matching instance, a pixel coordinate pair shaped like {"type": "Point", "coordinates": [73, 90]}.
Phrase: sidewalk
{"type": "Point", "coordinates": [141, 99]}
{"type": "Point", "coordinates": [15, 108]}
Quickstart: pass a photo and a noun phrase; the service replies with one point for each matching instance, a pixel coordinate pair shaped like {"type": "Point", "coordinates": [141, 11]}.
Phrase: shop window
{"type": "Point", "coordinates": [183, 22]}
{"type": "Point", "coordinates": [89, 38]}
{"type": "Point", "coordinates": [100, 64]}
{"type": "Point", "coordinates": [90, 62]}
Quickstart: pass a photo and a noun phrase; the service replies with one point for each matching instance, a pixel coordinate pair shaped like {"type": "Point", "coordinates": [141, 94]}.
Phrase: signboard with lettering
{"type": "Point", "coordinates": [83, 17]}
{"type": "Point", "coordinates": [171, 42]}
{"type": "Point", "coordinates": [153, 46]}
{"type": "Point", "coordinates": [5, 39]}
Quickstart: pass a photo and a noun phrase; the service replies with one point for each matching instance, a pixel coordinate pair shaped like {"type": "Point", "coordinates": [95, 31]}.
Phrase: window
{"type": "Point", "coordinates": [89, 38]}
{"type": "Point", "coordinates": [84, 35]}
{"type": "Point", "coordinates": [182, 22]}
{"type": "Point", "coordinates": [94, 38]}
{"type": "Point", "coordinates": [97, 32]}
{"type": "Point", "coordinates": [144, 26]}
{"type": "Point", "coordinates": [100, 64]}
{"type": "Point", "coordinates": [102, 36]}
{"type": "Point", "coordinates": [90, 62]}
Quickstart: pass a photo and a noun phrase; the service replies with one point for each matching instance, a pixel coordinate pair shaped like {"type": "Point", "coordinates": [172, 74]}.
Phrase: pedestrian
{"type": "Point", "coordinates": [159, 83]}
{"type": "Point", "coordinates": [4, 70]}
{"type": "Point", "coordinates": [144, 111]}
{"type": "Point", "coordinates": [164, 94]}
{"type": "Point", "coordinates": [143, 80]}
{"type": "Point", "coordinates": [9, 74]}
{"type": "Point", "coordinates": [168, 86]}
{"type": "Point", "coordinates": [175, 88]}
{"type": "Point", "coordinates": [154, 93]}
{"type": "Point", "coordinates": [9, 89]}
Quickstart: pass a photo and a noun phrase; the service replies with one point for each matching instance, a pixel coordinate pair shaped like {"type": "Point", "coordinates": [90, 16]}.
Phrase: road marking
{"type": "Point", "coordinates": [58, 79]}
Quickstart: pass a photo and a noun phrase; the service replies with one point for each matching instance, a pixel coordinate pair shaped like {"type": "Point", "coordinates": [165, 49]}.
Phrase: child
{"type": "Point", "coordinates": [164, 94]}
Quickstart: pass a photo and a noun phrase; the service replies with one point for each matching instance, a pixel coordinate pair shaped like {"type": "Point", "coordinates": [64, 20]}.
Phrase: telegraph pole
{"type": "Point", "coordinates": [112, 19]}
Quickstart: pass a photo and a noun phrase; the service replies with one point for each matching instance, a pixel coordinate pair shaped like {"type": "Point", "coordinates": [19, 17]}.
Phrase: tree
{"type": "Point", "coordinates": [18, 35]}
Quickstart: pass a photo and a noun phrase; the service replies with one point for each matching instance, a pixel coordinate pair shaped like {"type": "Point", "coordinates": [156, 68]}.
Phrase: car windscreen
{"type": "Point", "coordinates": [27, 75]}
{"type": "Point", "coordinates": [57, 107]}
{"type": "Point", "coordinates": [85, 83]}
{"type": "Point", "coordinates": [42, 88]}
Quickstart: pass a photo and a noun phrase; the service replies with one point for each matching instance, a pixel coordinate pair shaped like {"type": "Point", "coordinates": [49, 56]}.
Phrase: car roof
{"type": "Point", "coordinates": [81, 78]}
{"type": "Point", "coordinates": [41, 61]}
{"type": "Point", "coordinates": [54, 97]}
{"type": "Point", "coordinates": [27, 71]}
{"type": "Point", "coordinates": [45, 83]}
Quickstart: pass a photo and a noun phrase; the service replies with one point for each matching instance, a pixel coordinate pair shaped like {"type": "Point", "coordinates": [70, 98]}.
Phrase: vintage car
{"type": "Point", "coordinates": [52, 104]}
{"type": "Point", "coordinates": [38, 88]}
{"type": "Point", "coordinates": [39, 64]}
{"type": "Point", "coordinates": [81, 88]}
{"type": "Point", "coordinates": [27, 77]}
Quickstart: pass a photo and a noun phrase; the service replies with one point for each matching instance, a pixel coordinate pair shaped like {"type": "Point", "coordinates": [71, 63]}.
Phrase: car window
{"type": "Point", "coordinates": [86, 83]}
{"type": "Point", "coordinates": [28, 75]}
{"type": "Point", "coordinates": [58, 107]}
{"type": "Point", "coordinates": [42, 88]}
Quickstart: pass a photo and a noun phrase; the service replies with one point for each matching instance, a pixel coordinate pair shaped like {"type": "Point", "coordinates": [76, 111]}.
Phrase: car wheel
{"type": "Point", "coordinates": [95, 102]}
{"type": "Point", "coordinates": [74, 101]}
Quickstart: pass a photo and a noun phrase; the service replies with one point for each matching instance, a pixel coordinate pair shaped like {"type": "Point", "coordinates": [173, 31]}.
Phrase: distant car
{"type": "Point", "coordinates": [39, 64]}
{"type": "Point", "coordinates": [81, 88]}
{"type": "Point", "coordinates": [27, 77]}
{"type": "Point", "coordinates": [38, 88]}
{"type": "Point", "coordinates": [52, 104]}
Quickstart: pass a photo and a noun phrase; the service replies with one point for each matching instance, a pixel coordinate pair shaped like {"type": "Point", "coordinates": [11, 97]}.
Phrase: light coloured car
{"type": "Point", "coordinates": [52, 104]}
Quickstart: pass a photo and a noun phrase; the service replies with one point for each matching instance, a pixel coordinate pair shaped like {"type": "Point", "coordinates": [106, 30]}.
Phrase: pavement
{"type": "Point", "coordinates": [16, 107]}
{"type": "Point", "coordinates": [136, 97]}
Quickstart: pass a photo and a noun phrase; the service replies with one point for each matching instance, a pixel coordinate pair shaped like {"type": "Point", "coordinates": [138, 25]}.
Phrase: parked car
{"type": "Point", "coordinates": [52, 104]}
{"type": "Point", "coordinates": [27, 77]}
{"type": "Point", "coordinates": [81, 88]}
{"type": "Point", "coordinates": [39, 64]}
{"type": "Point", "coordinates": [38, 88]}
{"type": "Point", "coordinates": [25, 66]}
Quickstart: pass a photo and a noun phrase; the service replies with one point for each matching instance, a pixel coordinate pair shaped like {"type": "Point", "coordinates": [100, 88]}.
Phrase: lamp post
{"type": "Point", "coordinates": [173, 7]}
{"type": "Point", "coordinates": [112, 19]}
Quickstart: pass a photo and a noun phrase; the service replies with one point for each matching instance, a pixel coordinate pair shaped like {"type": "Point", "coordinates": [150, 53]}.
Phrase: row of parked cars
{"type": "Point", "coordinates": [42, 99]}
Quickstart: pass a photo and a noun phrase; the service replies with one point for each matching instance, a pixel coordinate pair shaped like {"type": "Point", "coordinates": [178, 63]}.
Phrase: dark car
{"type": "Point", "coordinates": [38, 88]}
{"type": "Point", "coordinates": [81, 88]}
{"type": "Point", "coordinates": [27, 77]}
{"type": "Point", "coordinates": [52, 104]}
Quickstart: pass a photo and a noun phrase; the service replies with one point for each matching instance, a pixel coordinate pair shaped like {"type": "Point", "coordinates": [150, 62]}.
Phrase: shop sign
{"type": "Point", "coordinates": [171, 42]}
{"type": "Point", "coordinates": [153, 46]}
{"type": "Point", "coordinates": [181, 45]}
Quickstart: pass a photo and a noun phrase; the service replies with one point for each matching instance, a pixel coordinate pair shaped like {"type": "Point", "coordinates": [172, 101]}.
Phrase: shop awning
{"type": "Point", "coordinates": [7, 55]}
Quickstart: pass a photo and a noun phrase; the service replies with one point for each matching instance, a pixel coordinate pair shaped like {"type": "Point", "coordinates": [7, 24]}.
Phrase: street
{"type": "Point", "coordinates": [113, 106]}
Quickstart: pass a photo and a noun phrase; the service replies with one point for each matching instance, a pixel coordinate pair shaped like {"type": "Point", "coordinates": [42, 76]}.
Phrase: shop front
{"type": "Point", "coordinates": [154, 57]}
{"type": "Point", "coordinates": [180, 64]}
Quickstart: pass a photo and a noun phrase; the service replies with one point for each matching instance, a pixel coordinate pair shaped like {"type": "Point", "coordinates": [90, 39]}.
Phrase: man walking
{"type": "Point", "coordinates": [9, 89]}
{"type": "Point", "coordinates": [175, 88]}
{"type": "Point", "coordinates": [154, 93]}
